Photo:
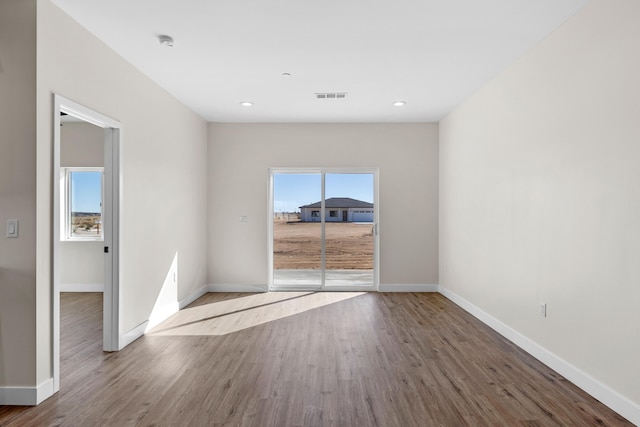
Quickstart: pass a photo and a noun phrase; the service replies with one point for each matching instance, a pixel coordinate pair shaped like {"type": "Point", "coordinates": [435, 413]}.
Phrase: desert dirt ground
{"type": "Point", "coordinates": [86, 225]}
{"type": "Point", "coordinates": [296, 245]}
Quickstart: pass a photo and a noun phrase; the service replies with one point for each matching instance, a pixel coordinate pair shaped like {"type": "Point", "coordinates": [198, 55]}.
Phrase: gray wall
{"type": "Point", "coordinates": [241, 154]}
{"type": "Point", "coordinates": [540, 195]}
{"type": "Point", "coordinates": [18, 192]}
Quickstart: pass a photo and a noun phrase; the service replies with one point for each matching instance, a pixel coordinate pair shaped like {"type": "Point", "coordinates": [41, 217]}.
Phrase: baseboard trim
{"type": "Point", "coordinates": [265, 288]}
{"type": "Point", "coordinates": [606, 395]}
{"type": "Point", "coordinates": [44, 391]}
{"type": "Point", "coordinates": [236, 288]}
{"type": "Point", "coordinates": [408, 288]}
{"type": "Point", "coordinates": [81, 287]}
{"type": "Point", "coordinates": [133, 334]}
{"type": "Point", "coordinates": [26, 396]}
{"type": "Point", "coordinates": [194, 296]}
{"type": "Point", "coordinates": [160, 315]}
{"type": "Point", "coordinates": [18, 396]}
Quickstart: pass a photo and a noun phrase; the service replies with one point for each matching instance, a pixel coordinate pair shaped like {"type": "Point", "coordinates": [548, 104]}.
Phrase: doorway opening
{"type": "Point", "coordinates": [323, 233]}
{"type": "Point", "coordinates": [86, 214]}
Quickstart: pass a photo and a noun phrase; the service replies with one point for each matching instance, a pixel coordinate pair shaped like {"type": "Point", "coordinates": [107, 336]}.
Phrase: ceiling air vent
{"type": "Point", "coordinates": [331, 95]}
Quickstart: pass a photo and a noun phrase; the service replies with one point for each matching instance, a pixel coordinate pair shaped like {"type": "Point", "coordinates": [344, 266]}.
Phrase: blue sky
{"type": "Point", "coordinates": [86, 189]}
{"type": "Point", "coordinates": [290, 191]}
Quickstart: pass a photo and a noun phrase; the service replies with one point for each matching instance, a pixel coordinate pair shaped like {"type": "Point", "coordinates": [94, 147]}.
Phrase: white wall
{"type": "Point", "coordinates": [81, 262]}
{"type": "Point", "coordinates": [164, 148]}
{"type": "Point", "coordinates": [540, 195]}
{"type": "Point", "coordinates": [241, 154]}
{"type": "Point", "coordinates": [81, 266]}
{"type": "Point", "coordinates": [17, 192]}
{"type": "Point", "coordinates": [81, 145]}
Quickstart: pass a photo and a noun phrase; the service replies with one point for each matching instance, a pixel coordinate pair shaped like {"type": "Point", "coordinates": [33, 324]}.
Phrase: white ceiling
{"type": "Point", "coordinates": [432, 54]}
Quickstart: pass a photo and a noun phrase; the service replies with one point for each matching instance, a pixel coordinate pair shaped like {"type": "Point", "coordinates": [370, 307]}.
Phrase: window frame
{"type": "Point", "coordinates": [66, 217]}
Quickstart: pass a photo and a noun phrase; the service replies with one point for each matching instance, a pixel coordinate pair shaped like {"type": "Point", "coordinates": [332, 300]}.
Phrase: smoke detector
{"type": "Point", "coordinates": [165, 40]}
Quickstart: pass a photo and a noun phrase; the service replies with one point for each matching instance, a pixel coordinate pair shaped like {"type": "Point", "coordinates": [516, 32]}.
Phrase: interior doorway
{"type": "Point", "coordinates": [90, 225]}
{"type": "Point", "coordinates": [323, 232]}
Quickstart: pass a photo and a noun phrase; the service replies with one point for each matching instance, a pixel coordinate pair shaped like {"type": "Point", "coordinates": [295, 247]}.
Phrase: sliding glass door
{"type": "Point", "coordinates": [297, 242]}
{"type": "Point", "coordinates": [323, 230]}
{"type": "Point", "coordinates": [349, 229]}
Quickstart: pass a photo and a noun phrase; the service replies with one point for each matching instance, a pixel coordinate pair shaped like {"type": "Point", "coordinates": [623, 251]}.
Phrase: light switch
{"type": "Point", "coordinates": [12, 228]}
{"type": "Point", "coordinates": [244, 220]}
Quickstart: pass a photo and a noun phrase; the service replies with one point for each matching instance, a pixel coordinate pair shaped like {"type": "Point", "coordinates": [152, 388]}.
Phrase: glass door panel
{"type": "Point", "coordinates": [297, 231]}
{"type": "Point", "coordinates": [349, 229]}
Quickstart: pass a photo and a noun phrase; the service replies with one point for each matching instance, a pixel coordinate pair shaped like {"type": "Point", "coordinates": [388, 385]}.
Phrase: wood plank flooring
{"type": "Point", "coordinates": [372, 359]}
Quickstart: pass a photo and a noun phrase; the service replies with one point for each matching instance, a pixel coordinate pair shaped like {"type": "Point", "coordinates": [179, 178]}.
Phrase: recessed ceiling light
{"type": "Point", "coordinates": [399, 103]}
{"type": "Point", "coordinates": [166, 40]}
{"type": "Point", "coordinates": [246, 103]}
{"type": "Point", "coordinates": [286, 74]}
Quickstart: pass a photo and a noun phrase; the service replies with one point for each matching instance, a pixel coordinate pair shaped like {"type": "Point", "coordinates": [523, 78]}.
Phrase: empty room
{"type": "Point", "coordinates": [299, 213]}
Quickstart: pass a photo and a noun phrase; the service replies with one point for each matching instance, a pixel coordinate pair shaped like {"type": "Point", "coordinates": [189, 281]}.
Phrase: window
{"type": "Point", "coordinates": [333, 214]}
{"type": "Point", "coordinates": [315, 214]}
{"type": "Point", "coordinates": [83, 194]}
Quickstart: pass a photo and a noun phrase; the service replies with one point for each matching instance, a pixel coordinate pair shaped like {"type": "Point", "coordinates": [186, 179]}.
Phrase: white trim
{"type": "Point", "coordinates": [111, 300]}
{"type": "Point", "coordinates": [408, 288]}
{"type": "Point", "coordinates": [133, 334]}
{"type": "Point", "coordinates": [58, 215]}
{"type": "Point", "coordinates": [111, 224]}
{"type": "Point", "coordinates": [81, 287]}
{"type": "Point", "coordinates": [194, 296]}
{"type": "Point", "coordinates": [161, 314]}
{"type": "Point", "coordinates": [18, 396]}
{"type": "Point", "coordinates": [85, 114]}
{"type": "Point", "coordinates": [26, 396]}
{"type": "Point", "coordinates": [236, 288]}
{"type": "Point", "coordinates": [606, 395]}
{"type": "Point", "coordinates": [323, 232]}
{"type": "Point", "coordinates": [44, 391]}
{"type": "Point", "coordinates": [376, 232]}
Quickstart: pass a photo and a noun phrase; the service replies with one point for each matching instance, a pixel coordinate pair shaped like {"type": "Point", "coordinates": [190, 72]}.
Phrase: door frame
{"type": "Point", "coordinates": [326, 170]}
{"type": "Point", "coordinates": [112, 214]}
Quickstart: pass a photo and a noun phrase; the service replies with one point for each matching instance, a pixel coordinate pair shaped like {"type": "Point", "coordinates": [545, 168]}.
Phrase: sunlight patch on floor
{"type": "Point", "coordinates": [225, 317]}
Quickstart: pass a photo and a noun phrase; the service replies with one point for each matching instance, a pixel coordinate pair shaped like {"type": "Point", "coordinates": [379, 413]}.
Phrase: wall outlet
{"type": "Point", "coordinates": [543, 309]}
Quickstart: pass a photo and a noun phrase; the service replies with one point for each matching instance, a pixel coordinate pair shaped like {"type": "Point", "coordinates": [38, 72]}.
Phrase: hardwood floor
{"type": "Point", "coordinates": [371, 359]}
